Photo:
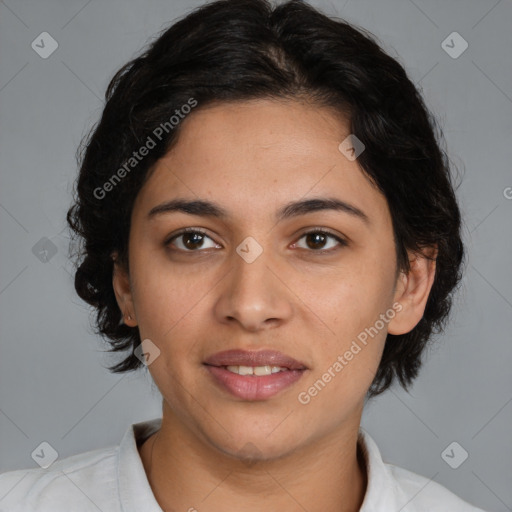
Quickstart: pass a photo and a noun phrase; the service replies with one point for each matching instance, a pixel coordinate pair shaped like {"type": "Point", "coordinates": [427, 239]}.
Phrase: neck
{"type": "Point", "coordinates": [186, 474]}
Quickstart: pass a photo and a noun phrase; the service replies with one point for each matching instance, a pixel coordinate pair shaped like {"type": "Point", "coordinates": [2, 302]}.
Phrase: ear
{"type": "Point", "coordinates": [122, 289]}
{"type": "Point", "coordinates": [413, 289]}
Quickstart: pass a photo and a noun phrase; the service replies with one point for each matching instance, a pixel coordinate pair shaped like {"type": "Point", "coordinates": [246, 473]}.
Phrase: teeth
{"type": "Point", "coordinates": [256, 370]}
{"type": "Point", "coordinates": [263, 370]}
{"type": "Point", "coordinates": [245, 370]}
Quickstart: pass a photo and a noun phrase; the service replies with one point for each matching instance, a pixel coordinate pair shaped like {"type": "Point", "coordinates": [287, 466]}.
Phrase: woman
{"type": "Point", "coordinates": [269, 225]}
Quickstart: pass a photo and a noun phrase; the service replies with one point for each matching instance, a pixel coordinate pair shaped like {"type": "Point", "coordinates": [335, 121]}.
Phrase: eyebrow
{"type": "Point", "coordinates": [206, 208]}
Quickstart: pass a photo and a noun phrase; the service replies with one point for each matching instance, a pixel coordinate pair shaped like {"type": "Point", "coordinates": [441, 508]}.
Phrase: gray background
{"type": "Point", "coordinates": [53, 384]}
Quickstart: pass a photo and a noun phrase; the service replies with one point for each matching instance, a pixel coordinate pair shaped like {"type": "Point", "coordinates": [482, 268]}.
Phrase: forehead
{"type": "Point", "coordinates": [253, 157]}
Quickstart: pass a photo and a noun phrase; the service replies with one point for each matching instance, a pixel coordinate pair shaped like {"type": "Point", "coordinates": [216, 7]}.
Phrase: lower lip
{"type": "Point", "coordinates": [253, 387]}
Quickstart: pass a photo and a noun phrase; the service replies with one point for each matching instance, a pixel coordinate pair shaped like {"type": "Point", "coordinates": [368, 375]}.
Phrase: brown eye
{"type": "Point", "coordinates": [317, 240]}
{"type": "Point", "coordinates": [191, 240]}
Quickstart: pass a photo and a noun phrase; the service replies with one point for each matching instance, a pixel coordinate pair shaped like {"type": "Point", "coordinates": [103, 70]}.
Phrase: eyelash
{"type": "Point", "coordinates": [341, 241]}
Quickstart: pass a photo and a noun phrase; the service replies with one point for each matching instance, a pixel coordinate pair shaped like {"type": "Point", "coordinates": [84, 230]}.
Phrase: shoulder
{"type": "Point", "coordinates": [421, 494]}
{"type": "Point", "coordinates": [394, 488]}
{"type": "Point", "coordinates": [85, 480]}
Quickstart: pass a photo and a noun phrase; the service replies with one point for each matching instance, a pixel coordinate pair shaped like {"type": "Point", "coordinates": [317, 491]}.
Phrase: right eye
{"type": "Point", "coordinates": [192, 240]}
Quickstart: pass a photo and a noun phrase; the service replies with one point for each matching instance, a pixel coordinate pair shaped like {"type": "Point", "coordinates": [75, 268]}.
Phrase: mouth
{"type": "Point", "coordinates": [253, 359]}
{"type": "Point", "coordinates": [254, 376]}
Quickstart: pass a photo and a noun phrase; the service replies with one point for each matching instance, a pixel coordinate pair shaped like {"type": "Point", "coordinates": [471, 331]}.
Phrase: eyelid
{"type": "Point", "coordinates": [189, 229]}
{"type": "Point", "coordinates": [343, 241]}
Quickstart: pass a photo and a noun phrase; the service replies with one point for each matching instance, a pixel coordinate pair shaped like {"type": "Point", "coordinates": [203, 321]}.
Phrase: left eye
{"type": "Point", "coordinates": [193, 239]}
{"type": "Point", "coordinates": [318, 237]}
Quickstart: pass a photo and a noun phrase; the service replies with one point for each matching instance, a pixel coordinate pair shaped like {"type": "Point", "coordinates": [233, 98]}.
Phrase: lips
{"type": "Point", "coordinates": [253, 387]}
{"type": "Point", "coordinates": [260, 358]}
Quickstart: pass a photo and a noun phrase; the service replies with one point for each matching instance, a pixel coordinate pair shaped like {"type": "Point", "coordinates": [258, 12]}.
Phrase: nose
{"type": "Point", "coordinates": [254, 294]}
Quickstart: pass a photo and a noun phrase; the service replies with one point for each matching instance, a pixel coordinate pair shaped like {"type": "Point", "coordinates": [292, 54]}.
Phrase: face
{"type": "Point", "coordinates": [303, 282]}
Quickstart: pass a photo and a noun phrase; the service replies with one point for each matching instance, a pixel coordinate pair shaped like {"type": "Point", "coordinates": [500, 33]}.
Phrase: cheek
{"type": "Point", "coordinates": [349, 352]}
{"type": "Point", "coordinates": [168, 308]}
{"type": "Point", "coordinates": [350, 304]}
{"type": "Point", "coordinates": [165, 297]}
{"type": "Point", "coordinates": [351, 299]}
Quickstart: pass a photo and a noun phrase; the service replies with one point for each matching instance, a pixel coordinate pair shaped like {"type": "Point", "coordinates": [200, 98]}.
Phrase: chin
{"type": "Point", "coordinates": [251, 450]}
{"type": "Point", "coordinates": [253, 441]}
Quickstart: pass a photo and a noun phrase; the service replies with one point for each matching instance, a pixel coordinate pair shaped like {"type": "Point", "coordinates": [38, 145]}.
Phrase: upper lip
{"type": "Point", "coordinates": [252, 358]}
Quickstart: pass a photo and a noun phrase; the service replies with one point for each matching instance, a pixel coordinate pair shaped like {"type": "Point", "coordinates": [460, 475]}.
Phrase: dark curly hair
{"type": "Point", "coordinates": [236, 50]}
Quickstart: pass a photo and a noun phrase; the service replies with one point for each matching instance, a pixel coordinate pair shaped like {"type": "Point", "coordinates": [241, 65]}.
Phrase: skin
{"type": "Point", "coordinates": [252, 158]}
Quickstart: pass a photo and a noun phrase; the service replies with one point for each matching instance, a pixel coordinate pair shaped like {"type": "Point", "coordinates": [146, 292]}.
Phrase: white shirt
{"type": "Point", "coordinates": [113, 480]}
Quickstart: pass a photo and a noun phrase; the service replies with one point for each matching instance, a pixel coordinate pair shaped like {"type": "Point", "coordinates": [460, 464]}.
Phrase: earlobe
{"type": "Point", "coordinates": [413, 289]}
{"type": "Point", "coordinates": [123, 292]}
